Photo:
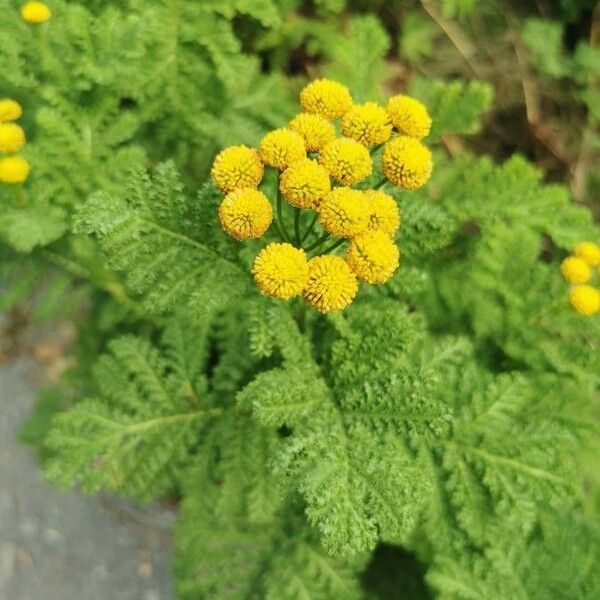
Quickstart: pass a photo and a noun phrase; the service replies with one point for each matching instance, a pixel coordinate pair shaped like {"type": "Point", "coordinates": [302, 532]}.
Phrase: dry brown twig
{"type": "Point", "coordinates": [540, 130]}
{"type": "Point", "coordinates": [462, 44]}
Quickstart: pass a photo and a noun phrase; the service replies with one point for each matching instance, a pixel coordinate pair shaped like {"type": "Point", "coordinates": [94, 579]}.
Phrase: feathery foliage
{"type": "Point", "coordinates": [341, 425]}
{"type": "Point", "coordinates": [158, 240]}
{"type": "Point", "coordinates": [117, 442]}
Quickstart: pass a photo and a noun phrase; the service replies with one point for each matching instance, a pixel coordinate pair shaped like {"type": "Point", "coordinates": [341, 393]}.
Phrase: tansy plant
{"type": "Point", "coordinates": [319, 158]}
{"type": "Point", "coordinates": [432, 429]}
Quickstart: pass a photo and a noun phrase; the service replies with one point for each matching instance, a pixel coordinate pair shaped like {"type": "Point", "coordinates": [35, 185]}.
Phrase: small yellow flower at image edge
{"type": "Point", "coordinates": [13, 169]}
{"type": "Point", "coordinates": [36, 12]}
{"type": "Point", "coordinates": [575, 270]}
{"type": "Point", "coordinates": [12, 137]}
{"type": "Point", "coordinates": [585, 300]}
{"type": "Point", "coordinates": [10, 110]}
{"type": "Point", "coordinates": [589, 252]}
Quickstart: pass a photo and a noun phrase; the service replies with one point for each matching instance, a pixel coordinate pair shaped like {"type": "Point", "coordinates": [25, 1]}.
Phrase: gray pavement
{"type": "Point", "coordinates": [67, 546]}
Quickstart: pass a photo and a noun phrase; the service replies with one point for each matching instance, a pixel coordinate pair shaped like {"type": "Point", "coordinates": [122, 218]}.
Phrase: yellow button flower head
{"type": "Point", "coordinates": [326, 98]}
{"type": "Point", "coordinates": [245, 214]}
{"type": "Point", "coordinates": [368, 124]}
{"type": "Point", "coordinates": [13, 169]}
{"type": "Point", "coordinates": [406, 162]}
{"type": "Point", "coordinates": [281, 148]}
{"type": "Point", "coordinates": [589, 252]}
{"type": "Point", "coordinates": [575, 270]}
{"type": "Point", "coordinates": [35, 12]}
{"type": "Point", "coordinates": [237, 167]}
{"type": "Point", "coordinates": [409, 116]}
{"type": "Point", "coordinates": [347, 161]}
{"type": "Point", "coordinates": [344, 212]}
{"type": "Point", "coordinates": [280, 270]}
{"type": "Point", "coordinates": [9, 110]}
{"type": "Point", "coordinates": [305, 184]}
{"type": "Point", "coordinates": [12, 137]}
{"type": "Point", "coordinates": [373, 256]}
{"type": "Point", "coordinates": [585, 299]}
{"type": "Point", "coordinates": [383, 212]}
{"type": "Point", "coordinates": [331, 283]}
{"type": "Point", "coordinates": [315, 130]}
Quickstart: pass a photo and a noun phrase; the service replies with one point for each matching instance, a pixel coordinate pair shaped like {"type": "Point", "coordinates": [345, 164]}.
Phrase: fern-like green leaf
{"type": "Point", "coordinates": [509, 447]}
{"type": "Point", "coordinates": [557, 562]}
{"type": "Point", "coordinates": [25, 228]}
{"type": "Point", "coordinates": [117, 442]}
{"type": "Point", "coordinates": [155, 237]}
{"type": "Point", "coordinates": [357, 59]}
{"type": "Point", "coordinates": [349, 454]}
{"type": "Point", "coordinates": [280, 560]}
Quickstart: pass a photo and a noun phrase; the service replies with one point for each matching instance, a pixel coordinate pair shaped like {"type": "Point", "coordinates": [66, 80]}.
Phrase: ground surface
{"type": "Point", "coordinates": [67, 546]}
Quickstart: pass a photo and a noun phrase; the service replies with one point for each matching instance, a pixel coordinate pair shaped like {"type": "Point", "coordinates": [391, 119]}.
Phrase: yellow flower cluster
{"type": "Point", "coordinates": [579, 271]}
{"type": "Point", "coordinates": [315, 171]}
{"type": "Point", "coordinates": [13, 169]}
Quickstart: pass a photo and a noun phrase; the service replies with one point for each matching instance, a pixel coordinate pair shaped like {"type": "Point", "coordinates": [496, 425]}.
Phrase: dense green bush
{"type": "Point", "coordinates": [432, 440]}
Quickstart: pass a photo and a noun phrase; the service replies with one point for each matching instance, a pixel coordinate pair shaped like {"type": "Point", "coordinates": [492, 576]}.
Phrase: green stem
{"type": "Point", "coordinates": [278, 227]}
{"type": "Point", "coordinates": [310, 228]}
{"type": "Point", "coordinates": [333, 246]}
{"type": "Point", "coordinates": [283, 231]}
{"type": "Point", "coordinates": [297, 227]}
{"type": "Point", "coordinates": [20, 197]}
{"type": "Point", "coordinates": [380, 183]}
{"type": "Point", "coordinates": [375, 148]}
{"type": "Point", "coordinates": [320, 241]}
{"type": "Point", "coordinates": [114, 288]}
{"type": "Point", "coordinates": [44, 57]}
